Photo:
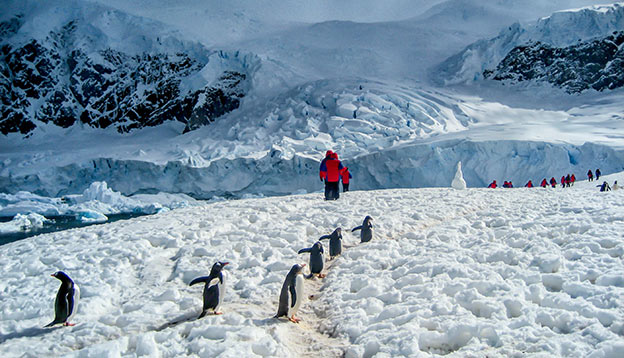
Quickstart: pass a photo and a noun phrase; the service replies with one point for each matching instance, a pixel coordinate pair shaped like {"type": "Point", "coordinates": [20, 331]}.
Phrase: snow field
{"type": "Point", "coordinates": [504, 272]}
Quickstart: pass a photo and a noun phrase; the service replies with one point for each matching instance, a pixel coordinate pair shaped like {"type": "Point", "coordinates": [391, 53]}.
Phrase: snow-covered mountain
{"type": "Point", "coordinates": [278, 93]}
{"type": "Point", "coordinates": [573, 49]}
{"type": "Point", "coordinates": [102, 67]}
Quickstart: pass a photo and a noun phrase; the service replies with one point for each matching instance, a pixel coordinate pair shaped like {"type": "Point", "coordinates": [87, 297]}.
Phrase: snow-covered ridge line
{"type": "Point", "coordinates": [408, 166]}
{"type": "Point", "coordinates": [101, 67]}
{"type": "Point", "coordinates": [561, 29]}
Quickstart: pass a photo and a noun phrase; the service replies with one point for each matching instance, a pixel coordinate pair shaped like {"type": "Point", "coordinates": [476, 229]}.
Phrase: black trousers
{"type": "Point", "coordinates": [332, 190]}
{"type": "Point", "coordinates": [345, 187]}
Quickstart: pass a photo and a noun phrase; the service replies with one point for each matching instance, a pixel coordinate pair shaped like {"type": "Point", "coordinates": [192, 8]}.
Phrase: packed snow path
{"type": "Point", "coordinates": [500, 272]}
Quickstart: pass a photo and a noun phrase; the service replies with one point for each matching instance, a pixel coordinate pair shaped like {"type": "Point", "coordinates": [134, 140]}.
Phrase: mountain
{"type": "Point", "coordinates": [101, 67]}
{"type": "Point", "coordinates": [278, 94]}
{"type": "Point", "coordinates": [574, 50]}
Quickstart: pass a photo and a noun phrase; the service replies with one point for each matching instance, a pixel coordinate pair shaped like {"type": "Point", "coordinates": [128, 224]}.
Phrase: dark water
{"type": "Point", "coordinates": [58, 223]}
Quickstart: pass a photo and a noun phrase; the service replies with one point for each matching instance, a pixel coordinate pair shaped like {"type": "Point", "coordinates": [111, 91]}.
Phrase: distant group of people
{"type": "Point", "coordinates": [566, 182]}
{"type": "Point", "coordinates": [332, 172]}
{"type": "Point", "coordinates": [590, 176]}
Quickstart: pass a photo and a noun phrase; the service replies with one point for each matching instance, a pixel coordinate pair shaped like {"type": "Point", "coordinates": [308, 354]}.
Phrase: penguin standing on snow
{"type": "Point", "coordinates": [317, 259]}
{"type": "Point", "coordinates": [335, 243]}
{"type": "Point", "coordinates": [292, 294]}
{"type": "Point", "coordinates": [66, 303]}
{"type": "Point", "coordinates": [214, 290]}
{"type": "Point", "coordinates": [367, 230]}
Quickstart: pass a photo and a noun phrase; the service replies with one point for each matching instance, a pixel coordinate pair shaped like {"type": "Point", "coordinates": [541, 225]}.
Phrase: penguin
{"type": "Point", "coordinates": [335, 243]}
{"type": "Point", "coordinates": [66, 302]}
{"type": "Point", "coordinates": [317, 259]}
{"type": "Point", "coordinates": [367, 230]}
{"type": "Point", "coordinates": [291, 294]}
{"type": "Point", "coordinates": [214, 290]}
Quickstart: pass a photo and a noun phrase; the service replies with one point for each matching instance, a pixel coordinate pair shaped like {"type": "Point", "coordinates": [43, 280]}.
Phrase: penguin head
{"type": "Point", "coordinates": [297, 268]}
{"type": "Point", "coordinates": [367, 219]}
{"type": "Point", "coordinates": [317, 246]}
{"type": "Point", "coordinates": [61, 276]}
{"type": "Point", "coordinates": [338, 232]}
{"type": "Point", "coordinates": [217, 267]}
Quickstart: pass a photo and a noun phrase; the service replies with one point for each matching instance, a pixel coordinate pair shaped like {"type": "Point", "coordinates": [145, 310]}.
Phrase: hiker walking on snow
{"type": "Point", "coordinates": [553, 182]}
{"type": "Point", "coordinates": [544, 183]}
{"type": "Point", "coordinates": [590, 175]}
{"type": "Point", "coordinates": [572, 179]}
{"type": "Point", "coordinates": [568, 180]}
{"type": "Point", "coordinates": [563, 181]}
{"type": "Point", "coordinates": [322, 175]}
{"type": "Point", "coordinates": [598, 174]}
{"type": "Point", "coordinates": [492, 185]}
{"type": "Point", "coordinates": [529, 184]}
{"type": "Point", "coordinates": [330, 171]}
{"type": "Point", "coordinates": [346, 176]}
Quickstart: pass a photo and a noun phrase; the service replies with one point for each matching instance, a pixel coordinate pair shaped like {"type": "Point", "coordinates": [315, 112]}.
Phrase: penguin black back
{"type": "Point", "coordinates": [317, 261]}
{"type": "Point", "coordinates": [366, 233]}
{"type": "Point", "coordinates": [214, 288]}
{"type": "Point", "coordinates": [335, 242]}
{"type": "Point", "coordinates": [66, 302]}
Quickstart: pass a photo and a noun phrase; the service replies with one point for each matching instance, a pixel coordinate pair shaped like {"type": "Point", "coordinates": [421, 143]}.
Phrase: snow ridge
{"type": "Point", "coordinates": [562, 29]}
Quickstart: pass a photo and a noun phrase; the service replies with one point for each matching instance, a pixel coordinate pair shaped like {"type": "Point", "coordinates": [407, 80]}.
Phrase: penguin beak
{"type": "Point", "coordinates": [303, 265]}
{"type": "Point", "coordinates": [226, 263]}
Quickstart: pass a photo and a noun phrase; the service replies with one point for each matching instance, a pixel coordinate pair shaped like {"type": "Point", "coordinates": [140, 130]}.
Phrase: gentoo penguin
{"type": "Point", "coordinates": [214, 290]}
{"type": "Point", "coordinates": [317, 259]}
{"type": "Point", "coordinates": [292, 294]}
{"type": "Point", "coordinates": [66, 303]}
{"type": "Point", "coordinates": [335, 242]}
{"type": "Point", "coordinates": [367, 230]}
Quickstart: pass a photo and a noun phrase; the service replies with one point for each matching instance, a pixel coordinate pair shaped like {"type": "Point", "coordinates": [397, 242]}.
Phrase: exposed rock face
{"type": "Point", "coordinates": [55, 81]}
{"type": "Point", "coordinates": [597, 64]}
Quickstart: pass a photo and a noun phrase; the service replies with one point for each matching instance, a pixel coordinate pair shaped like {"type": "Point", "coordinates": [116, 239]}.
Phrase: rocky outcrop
{"type": "Point", "coordinates": [596, 64]}
{"type": "Point", "coordinates": [56, 81]}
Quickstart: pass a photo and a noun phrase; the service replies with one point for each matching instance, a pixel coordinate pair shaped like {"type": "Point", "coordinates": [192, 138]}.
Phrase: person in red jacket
{"type": "Point", "coordinates": [323, 174]}
{"type": "Point", "coordinates": [492, 185]}
{"type": "Point", "coordinates": [544, 183]}
{"type": "Point", "coordinates": [330, 171]}
{"type": "Point", "coordinates": [572, 179]}
{"type": "Point", "coordinates": [553, 182]}
{"type": "Point", "coordinates": [345, 179]}
{"type": "Point", "coordinates": [529, 184]}
{"type": "Point", "coordinates": [563, 181]}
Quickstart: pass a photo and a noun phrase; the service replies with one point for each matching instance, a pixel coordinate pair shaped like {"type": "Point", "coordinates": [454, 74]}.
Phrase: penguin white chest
{"type": "Point", "coordinates": [76, 298]}
{"type": "Point", "coordinates": [292, 309]}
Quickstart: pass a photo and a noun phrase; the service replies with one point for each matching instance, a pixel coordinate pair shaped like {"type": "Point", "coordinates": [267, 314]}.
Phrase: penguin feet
{"type": "Point", "coordinates": [321, 275]}
{"type": "Point", "coordinates": [294, 319]}
{"type": "Point", "coordinates": [218, 313]}
{"type": "Point", "coordinates": [67, 324]}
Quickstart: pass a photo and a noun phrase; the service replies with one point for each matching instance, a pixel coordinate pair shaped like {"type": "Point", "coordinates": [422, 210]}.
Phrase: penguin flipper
{"type": "Point", "coordinates": [303, 251]}
{"type": "Point", "coordinates": [200, 280]}
{"type": "Point", "coordinates": [357, 228]}
{"type": "Point", "coordinates": [325, 237]}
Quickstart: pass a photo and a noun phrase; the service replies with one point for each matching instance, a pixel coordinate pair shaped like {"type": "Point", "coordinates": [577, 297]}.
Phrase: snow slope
{"type": "Point", "coordinates": [505, 272]}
